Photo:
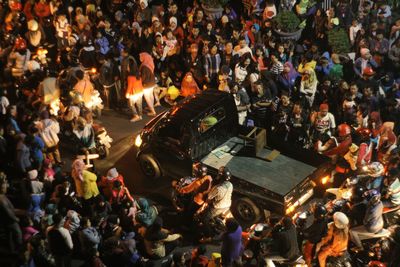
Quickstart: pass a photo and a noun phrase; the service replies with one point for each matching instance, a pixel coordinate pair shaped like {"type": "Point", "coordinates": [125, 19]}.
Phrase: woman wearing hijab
{"type": "Point", "coordinates": [147, 214]}
{"type": "Point", "coordinates": [189, 86]}
{"type": "Point", "coordinates": [287, 78]}
{"type": "Point", "coordinates": [148, 80]}
{"type": "Point", "coordinates": [308, 86]}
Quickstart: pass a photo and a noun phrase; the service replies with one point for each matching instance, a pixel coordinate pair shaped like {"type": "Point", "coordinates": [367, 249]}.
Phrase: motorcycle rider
{"type": "Point", "coordinates": [284, 240]}
{"type": "Point", "coordinates": [375, 171]}
{"type": "Point", "coordinates": [85, 135]}
{"type": "Point", "coordinates": [357, 206]}
{"type": "Point", "coordinates": [336, 241]}
{"type": "Point", "coordinates": [198, 188]}
{"type": "Point", "coordinates": [373, 220]}
{"type": "Point", "coordinates": [315, 232]}
{"type": "Point", "coordinates": [219, 198]}
{"type": "Point", "coordinates": [392, 184]}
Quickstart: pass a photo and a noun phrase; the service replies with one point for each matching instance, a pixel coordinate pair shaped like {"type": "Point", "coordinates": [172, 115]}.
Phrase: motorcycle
{"type": "Point", "coordinates": [103, 141]}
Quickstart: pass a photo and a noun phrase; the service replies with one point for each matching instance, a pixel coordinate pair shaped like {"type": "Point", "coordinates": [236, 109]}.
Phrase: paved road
{"type": "Point", "coordinates": [123, 155]}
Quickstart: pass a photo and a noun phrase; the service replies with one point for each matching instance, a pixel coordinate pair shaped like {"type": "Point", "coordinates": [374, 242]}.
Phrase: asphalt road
{"type": "Point", "coordinates": [123, 155]}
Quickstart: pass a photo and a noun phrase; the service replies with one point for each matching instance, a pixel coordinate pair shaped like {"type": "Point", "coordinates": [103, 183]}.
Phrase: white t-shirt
{"type": "Point", "coordinates": [325, 123]}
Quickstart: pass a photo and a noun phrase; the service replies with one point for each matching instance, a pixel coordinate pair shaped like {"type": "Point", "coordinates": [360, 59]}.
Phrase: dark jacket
{"type": "Point", "coordinates": [285, 241]}
{"type": "Point", "coordinates": [148, 78]}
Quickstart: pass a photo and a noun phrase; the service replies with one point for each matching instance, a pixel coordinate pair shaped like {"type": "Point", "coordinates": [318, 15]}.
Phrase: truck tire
{"type": "Point", "coordinates": [245, 210]}
{"type": "Point", "coordinates": [149, 166]}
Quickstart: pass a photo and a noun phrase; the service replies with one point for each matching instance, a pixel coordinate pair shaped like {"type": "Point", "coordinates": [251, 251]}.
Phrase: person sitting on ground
{"type": "Point", "coordinates": [158, 241]}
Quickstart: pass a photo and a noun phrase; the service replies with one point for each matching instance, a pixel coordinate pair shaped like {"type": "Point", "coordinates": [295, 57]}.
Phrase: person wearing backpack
{"type": "Point", "coordinates": [60, 242]}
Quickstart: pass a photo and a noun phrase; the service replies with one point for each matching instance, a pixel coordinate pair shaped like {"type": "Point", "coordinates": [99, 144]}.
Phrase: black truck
{"type": "Point", "coordinates": [268, 177]}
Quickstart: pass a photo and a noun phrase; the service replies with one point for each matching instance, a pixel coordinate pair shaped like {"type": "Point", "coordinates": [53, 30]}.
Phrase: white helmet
{"type": "Point", "coordinates": [375, 169]}
{"type": "Point", "coordinates": [341, 220]}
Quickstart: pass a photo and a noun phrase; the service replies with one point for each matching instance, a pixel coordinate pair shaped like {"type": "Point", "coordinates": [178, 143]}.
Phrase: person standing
{"type": "Point", "coordinates": [106, 79]}
{"type": "Point", "coordinates": [9, 220]}
{"type": "Point", "coordinates": [60, 242]}
{"type": "Point", "coordinates": [134, 90]}
{"type": "Point", "coordinates": [232, 244]}
{"type": "Point", "coordinates": [148, 80]}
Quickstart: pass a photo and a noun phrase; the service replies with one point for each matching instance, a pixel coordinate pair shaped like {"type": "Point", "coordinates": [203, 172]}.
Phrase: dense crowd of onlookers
{"type": "Point", "coordinates": [58, 57]}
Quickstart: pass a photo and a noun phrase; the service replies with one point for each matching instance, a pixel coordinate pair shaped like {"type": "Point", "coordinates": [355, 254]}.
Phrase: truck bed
{"type": "Point", "coordinates": [281, 175]}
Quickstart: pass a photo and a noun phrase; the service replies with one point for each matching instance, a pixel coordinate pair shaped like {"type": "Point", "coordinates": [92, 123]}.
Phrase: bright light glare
{"type": "Point", "coordinates": [325, 179]}
{"type": "Point", "coordinates": [138, 141]}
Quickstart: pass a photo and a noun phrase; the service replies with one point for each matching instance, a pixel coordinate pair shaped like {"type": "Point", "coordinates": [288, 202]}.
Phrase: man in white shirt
{"type": "Point", "coordinates": [323, 123]}
{"type": "Point", "coordinates": [219, 198]}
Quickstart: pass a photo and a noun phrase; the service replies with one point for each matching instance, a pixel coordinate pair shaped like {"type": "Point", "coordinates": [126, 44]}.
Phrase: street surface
{"type": "Point", "coordinates": [123, 155]}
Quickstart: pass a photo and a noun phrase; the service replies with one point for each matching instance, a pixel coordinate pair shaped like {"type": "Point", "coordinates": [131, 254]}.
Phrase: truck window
{"type": "Point", "coordinates": [210, 120]}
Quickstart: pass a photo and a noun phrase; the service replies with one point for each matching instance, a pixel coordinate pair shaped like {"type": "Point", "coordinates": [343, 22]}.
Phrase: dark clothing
{"type": "Point", "coordinates": [148, 78]}
{"type": "Point", "coordinates": [285, 242]}
{"type": "Point", "coordinates": [316, 231]}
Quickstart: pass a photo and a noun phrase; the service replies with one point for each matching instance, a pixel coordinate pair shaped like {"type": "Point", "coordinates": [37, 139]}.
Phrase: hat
{"type": "Point", "coordinates": [173, 20]}
{"type": "Point", "coordinates": [33, 25]}
{"type": "Point", "coordinates": [32, 174]}
{"type": "Point", "coordinates": [364, 51]}
{"type": "Point", "coordinates": [323, 107]}
{"type": "Point", "coordinates": [368, 71]}
{"type": "Point", "coordinates": [158, 34]}
{"type": "Point", "coordinates": [375, 169]}
{"type": "Point", "coordinates": [144, 2]}
{"type": "Point", "coordinates": [224, 19]}
{"type": "Point", "coordinates": [341, 220]}
{"type": "Point", "coordinates": [154, 18]}
{"type": "Point", "coordinates": [112, 173]}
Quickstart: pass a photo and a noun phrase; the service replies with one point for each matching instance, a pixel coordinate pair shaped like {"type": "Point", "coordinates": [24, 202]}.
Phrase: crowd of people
{"type": "Point", "coordinates": [60, 60]}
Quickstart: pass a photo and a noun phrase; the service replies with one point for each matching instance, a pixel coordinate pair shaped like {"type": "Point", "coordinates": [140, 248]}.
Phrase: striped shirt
{"type": "Point", "coordinates": [212, 65]}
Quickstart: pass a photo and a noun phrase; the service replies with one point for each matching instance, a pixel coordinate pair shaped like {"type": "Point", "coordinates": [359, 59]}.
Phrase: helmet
{"type": "Point", "coordinates": [343, 130]}
{"type": "Point", "coordinates": [33, 25]}
{"type": "Point", "coordinates": [373, 196]}
{"type": "Point", "coordinates": [224, 173]}
{"type": "Point", "coordinates": [20, 43]}
{"type": "Point", "coordinates": [320, 211]}
{"type": "Point", "coordinates": [15, 5]}
{"type": "Point", "coordinates": [375, 169]}
{"type": "Point", "coordinates": [358, 192]}
{"type": "Point", "coordinates": [199, 170]}
{"type": "Point", "coordinates": [340, 220]}
{"type": "Point", "coordinates": [364, 133]}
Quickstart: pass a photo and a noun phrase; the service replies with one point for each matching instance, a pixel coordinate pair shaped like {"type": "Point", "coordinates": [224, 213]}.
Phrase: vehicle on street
{"type": "Point", "coordinates": [267, 177]}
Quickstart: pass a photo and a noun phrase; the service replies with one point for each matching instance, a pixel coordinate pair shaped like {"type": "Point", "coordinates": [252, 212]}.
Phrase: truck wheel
{"type": "Point", "coordinates": [245, 210]}
{"type": "Point", "coordinates": [149, 166]}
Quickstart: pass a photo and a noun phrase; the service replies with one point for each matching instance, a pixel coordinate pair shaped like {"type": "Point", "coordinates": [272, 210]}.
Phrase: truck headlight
{"type": "Point", "coordinates": [138, 140]}
{"type": "Point", "coordinates": [325, 179]}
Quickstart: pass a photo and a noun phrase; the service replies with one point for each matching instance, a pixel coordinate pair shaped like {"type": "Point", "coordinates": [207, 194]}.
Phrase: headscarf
{"type": "Point", "coordinates": [147, 60]}
{"type": "Point", "coordinates": [78, 166]}
{"type": "Point", "coordinates": [292, 73]}
{"type": "Point", "coordinates": [312, 77]}
{"type": "Point", "coordinates": [188, 87]}
{"type": "Point", "coordinates": [147, 214]}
